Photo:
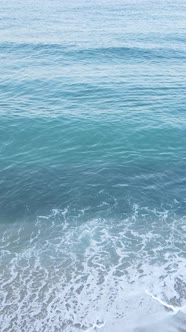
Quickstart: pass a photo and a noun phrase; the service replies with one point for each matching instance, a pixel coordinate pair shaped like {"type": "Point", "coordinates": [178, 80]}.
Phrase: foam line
{"type": "Point", "coordinates": [169, 306]}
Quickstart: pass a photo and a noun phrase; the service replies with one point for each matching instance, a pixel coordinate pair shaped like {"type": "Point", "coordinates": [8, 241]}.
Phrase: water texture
{"type": "Point", "coordinates": [92, 166]}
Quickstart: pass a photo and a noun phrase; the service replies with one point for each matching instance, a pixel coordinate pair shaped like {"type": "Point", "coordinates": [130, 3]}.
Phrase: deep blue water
{"type": "Point", "coordinates": [92, 165]}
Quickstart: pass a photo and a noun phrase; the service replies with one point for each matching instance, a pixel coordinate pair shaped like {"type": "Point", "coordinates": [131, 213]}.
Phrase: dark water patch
{"type": "Point", "coordinates": [101, 188]}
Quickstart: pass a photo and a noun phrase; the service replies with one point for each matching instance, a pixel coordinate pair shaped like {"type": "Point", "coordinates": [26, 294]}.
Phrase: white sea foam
{"type": "Point", "coordinates": [59, 274]}
{"type": "Point", "coordinates": [166, 305]}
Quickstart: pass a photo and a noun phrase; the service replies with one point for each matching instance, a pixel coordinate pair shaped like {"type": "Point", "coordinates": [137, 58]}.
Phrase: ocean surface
{"type": "Point", "coordinates": [92, 166]}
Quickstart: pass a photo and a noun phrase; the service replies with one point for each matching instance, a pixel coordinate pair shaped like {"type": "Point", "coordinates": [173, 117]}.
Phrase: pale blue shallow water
{"type": "Point", "coordinates": [92, 165]}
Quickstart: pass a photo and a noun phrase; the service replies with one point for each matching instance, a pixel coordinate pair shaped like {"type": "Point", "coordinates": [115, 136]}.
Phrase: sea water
{"type": "Point", "coordinates": [92, 165]}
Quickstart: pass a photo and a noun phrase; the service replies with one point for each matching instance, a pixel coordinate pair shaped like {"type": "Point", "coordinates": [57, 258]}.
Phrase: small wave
{"type": "Point", "coordinates": [103, 53]}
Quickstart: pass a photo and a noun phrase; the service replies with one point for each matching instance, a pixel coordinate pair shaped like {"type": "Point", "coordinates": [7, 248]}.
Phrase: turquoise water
{"type": "Point", "coordinates": [92, 166]}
